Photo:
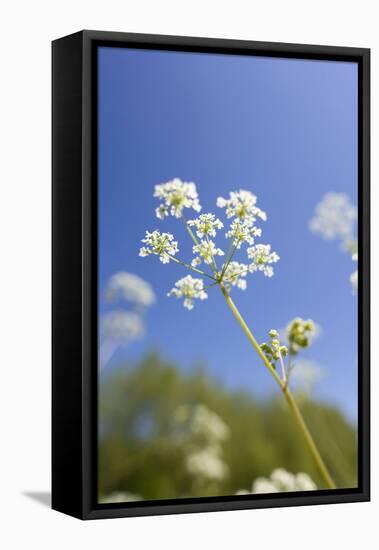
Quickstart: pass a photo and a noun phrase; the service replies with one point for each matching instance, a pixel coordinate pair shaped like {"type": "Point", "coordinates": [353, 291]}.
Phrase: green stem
{"type": "Point", "coordinates": [215, 269]}
{"type": "Point", "coordinates": [309, 439]}
{"type": "Point", "coordinates": [287, 394]}
{"type": "Point", "coordinates": [231, 256]}
{"type": "Point", "coordinates": [189, 266]}
{"type": "Point", "coordinates": [190, 232]}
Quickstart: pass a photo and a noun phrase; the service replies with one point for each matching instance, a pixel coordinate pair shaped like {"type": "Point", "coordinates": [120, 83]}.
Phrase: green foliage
{"type": "Point", "coordinates": [140, 451]}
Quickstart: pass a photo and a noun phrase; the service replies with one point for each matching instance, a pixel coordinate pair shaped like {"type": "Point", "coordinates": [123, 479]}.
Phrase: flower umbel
{"type": "Point", "coordinates": [176, 195]}
{"type": "Point", "coordinates": [190, 289]}
{"type": "Point", "coordinates": [335, 217]}
{"type": "Point", "coordinates": [160, 244]}
{"type": "Point", "coordinates": [235, 275]}
{"type": "Point", "coordinates": [206, 224]}
{"type": "Point", "coordinates": [205, 252]}
{"type": "Point", "coordinates": [242, 204]}
{"type": "Point", "coordinates": [242, 231]}
{"type": "Point", "coordinates": [262, 259]}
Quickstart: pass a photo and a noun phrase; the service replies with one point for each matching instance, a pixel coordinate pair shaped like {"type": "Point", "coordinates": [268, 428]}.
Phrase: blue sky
{"type": "Point", "coordinates": [284, 129]}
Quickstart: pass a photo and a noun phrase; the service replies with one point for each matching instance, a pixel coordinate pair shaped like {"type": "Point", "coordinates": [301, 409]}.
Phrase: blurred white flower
{"type": "Point", "coordinates": [190, 289]}
{"type": "Point", "coordinates": [300, 334]}
{"type": "Point", "coordinates": [207, 463]}
{"type": "Point", "coordinates": [204, 432]}
{"type": "Point", "coordinates": [208, 424]}
{"type": "Point", "coordinates": [262, 258]}
{"type": "Point", "coordinates": [206, 224]}
{"type": "Point", "coordinates": [121, 326]}
{"type": "Point", "coordinates": [176, 195]}
{"type": "Point", "coordinates": [118, 328]}
{"type": "Point", "coordinates": [282, 481]}
{"type": "Point", "coordinates": [160, 244]}
{"type": "Point", "coordinates": [119, 496]}
{"type": "Point", "coordinates": [335, 217]}
{"type": "Point", "coordinates": [243, 205]}
{"type": "Point", "coordinates": [263, 485]}
{"type": "Point", "coordinates": [130, 288]}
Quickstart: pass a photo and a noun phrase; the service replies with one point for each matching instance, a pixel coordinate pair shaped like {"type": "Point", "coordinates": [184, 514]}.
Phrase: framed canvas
{"type": "Point", "coordinates": [210, 275]}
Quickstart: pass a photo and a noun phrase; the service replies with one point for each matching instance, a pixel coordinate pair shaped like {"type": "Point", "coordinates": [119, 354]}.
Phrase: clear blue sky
{"type": "Point", "coordinates": [284, 129]}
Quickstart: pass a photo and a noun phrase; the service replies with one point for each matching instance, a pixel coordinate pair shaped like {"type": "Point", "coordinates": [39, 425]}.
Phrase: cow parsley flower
{"type": "Point", "coordinates": [242, 231]}
{"type": "Point", "coordinates": [161, 244]}
{"type": "Point", "coordinates": [235, 275]}
{"type": "Point", "coordinates": [262, 259]}
{"type": "Point", "coordinates": [300, 333]}
{"type": "Point", "coordinates": [282, 481]}
{"type": "Point", "coordinates": [242, 204]}
{"type": "Point", "coordinates": [189, 289]}
{"type": "Point", "coordinates": [119, 496]}
{"type": "Point", "coordinates": [205, 252]}
{"type": "Point", "coordinates": [207, 463]}
{"type": "Point", "coordinates": [176, 195]}
{"type": "Point", "coordinates": [334, 218]}
{"type": "Point", "coordinates": [120, 327]}
{"type": "Point", "coordinates": [208, 425]}
{"type": "Point", "coordinates": [129, 288]}
{"type": "Point", "coordinates": [206, 224]}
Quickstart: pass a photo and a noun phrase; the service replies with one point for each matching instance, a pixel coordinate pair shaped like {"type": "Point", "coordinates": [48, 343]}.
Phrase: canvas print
{"type": "Point", "coordinates": [227, 275]}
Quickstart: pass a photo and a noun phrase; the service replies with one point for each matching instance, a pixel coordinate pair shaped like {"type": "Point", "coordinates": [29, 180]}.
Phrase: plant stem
{"type": "Point", "coordinates": [189, 266]}
{"type": "Point", "coordinates": [215, 269]}
{"type": "Point", "coordinates": [190, 232]}
{"type": "Point", "coordinates": [287, 394]}
{"type": "Point", "coordinates": [308, 437]}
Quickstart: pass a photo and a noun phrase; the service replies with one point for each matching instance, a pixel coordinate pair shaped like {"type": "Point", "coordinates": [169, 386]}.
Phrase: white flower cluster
{"type": "Point", "coordinates": [176, 195]}
{"type": "Point", "coordinates": [207, 463]}
{"type": "Point", "coordinates": [130, 288]}
{"type": "Point", "coordinates": [235, 275]}
{"type": "Point", "coordinates": [206, 225]}
{"type": "Point", "coordinates": [242, 207]}
{"type": "Point", "coordinates": [281, 481]}
{"type": "Point", "coordinates": [241, 232]}
{"type": "Point", "coordinates": [120, 326]}
{"type": "Point", "coordinates": [161, 244]}
{"type": "Point", "coordinates": [189, 289]}
{"type": "Point", "coordinates": [208, 424]}
{"type": "Point", "coordinates": [205, 433]}
{"type": "Point", "coordinates": [205, 252]}
{"type": "Point", "coordinates": [335, 218]}
{"type": "Point", "coordinates": [262, 259]}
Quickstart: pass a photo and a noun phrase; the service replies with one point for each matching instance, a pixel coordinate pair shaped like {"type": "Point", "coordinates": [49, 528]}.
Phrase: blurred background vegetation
{"type": "Point", "coordinates": [164, 434]}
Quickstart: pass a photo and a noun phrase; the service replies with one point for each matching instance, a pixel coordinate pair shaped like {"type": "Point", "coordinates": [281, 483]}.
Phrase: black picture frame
{"type": "Point", "coordinates": [74, 273]}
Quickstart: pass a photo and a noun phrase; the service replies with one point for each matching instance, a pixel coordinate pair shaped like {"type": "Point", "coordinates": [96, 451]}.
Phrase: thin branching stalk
{"type": "Point", "coordinates": [189, 266]}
